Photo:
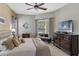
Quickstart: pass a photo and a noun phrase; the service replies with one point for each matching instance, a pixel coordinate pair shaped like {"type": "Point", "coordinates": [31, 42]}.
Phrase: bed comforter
{"type": "Point", "coordinates": [31, 47]}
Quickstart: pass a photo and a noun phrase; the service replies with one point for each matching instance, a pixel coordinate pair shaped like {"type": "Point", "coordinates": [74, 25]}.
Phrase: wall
{"type": "Point", "coordinates": [30, 21]}
{"type": "Point", "coordinates": [7, 13]}
{"type": "Point", "coordinates": [69, 12]}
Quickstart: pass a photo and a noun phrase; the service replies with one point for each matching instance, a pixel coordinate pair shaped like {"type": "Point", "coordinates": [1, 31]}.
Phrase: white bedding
{"type": "Point", "coordinates": [25, 49]}
{"type": "Point", "coordinates": [31, 47]}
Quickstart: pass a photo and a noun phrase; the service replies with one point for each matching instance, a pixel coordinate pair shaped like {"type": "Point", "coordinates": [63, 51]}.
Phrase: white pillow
{"type": "Point", "coordinates": [2, 48]}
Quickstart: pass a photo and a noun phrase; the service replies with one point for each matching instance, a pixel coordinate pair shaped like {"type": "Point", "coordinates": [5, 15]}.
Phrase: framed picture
{"type": "Point", "coordinates": [2, 20]}
{"type": "Point", "coordinates": [25, 25]}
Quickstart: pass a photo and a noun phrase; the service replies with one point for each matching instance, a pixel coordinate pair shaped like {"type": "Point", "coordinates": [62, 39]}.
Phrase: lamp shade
{"type": "Point", "coordinates": [13, 30]}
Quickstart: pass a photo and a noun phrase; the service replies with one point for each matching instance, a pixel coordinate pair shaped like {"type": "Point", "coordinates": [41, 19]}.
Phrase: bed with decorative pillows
{"type": "Point", "coordinates": [12, 46]}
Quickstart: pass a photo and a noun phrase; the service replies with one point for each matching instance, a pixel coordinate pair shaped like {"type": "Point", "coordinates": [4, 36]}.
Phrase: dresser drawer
{"type": "Point", "coordinates": [65, 41]}
{"type": "Point", "coordinates": [65, 46]}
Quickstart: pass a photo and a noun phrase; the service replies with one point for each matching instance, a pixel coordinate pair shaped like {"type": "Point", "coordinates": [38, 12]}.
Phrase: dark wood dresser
{"type": "Point", "coordinates": [68, 42]}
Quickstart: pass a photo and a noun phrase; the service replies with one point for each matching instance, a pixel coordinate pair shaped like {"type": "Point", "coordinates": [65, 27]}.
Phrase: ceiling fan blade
{"type": "Point", "coordinates": [42, 8]}
{"type": "Point", "coordinates": [29, 8]}
{"type": "Point", "coordinates": [28, 4]}
{"type": "Point", "coordinates": [40, 4]}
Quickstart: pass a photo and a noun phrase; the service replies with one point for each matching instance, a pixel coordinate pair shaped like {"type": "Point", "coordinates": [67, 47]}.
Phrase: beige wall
{"type": "Point", "coordinates": [7, 13]}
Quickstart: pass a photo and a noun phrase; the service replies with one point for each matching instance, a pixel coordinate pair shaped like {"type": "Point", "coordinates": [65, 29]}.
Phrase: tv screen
{"type": "Point", "coordinates": [65, 26]}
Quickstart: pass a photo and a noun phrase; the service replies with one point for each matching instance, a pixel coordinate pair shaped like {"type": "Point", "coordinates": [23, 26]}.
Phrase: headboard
{"type": "Point", "coordinates": [4, 33]}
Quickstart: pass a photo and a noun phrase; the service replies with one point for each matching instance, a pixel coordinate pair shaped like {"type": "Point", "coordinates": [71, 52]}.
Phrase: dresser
{"type": "Point", "coordinates": [67, 42]}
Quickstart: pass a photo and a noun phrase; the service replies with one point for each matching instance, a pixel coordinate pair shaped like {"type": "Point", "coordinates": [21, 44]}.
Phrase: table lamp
{"type": "Point", "coordinates": [13, 32]}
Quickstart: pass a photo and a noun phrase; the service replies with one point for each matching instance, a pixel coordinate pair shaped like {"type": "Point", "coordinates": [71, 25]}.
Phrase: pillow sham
{"type": "Point", "coordinates": [20, 39]}
{"type": "Point", "coordinates": [8, 43]}
{"type": "Point", "coordinates": [16, 41]}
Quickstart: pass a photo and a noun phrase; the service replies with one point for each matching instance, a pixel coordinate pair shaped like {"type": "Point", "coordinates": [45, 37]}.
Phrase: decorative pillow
{"type": "Point", "coordinates": [22, 41]}
{"type": "Point", "coordinates": [8, 43]}
{"type": "Point", "coordinates": [16, 41]}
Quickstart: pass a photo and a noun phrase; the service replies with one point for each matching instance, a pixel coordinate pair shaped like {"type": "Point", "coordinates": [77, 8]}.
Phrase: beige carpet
{"type": "Point", "coordinates": [56, 51]}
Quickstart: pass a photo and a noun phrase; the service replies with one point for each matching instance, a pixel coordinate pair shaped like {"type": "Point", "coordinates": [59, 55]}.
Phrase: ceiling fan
{"type": "Point", "coordinates": [36, 6]}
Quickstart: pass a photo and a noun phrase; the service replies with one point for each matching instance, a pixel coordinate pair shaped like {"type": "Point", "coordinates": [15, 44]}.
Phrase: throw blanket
{"type": "Point", "coordinates": [41, 48]}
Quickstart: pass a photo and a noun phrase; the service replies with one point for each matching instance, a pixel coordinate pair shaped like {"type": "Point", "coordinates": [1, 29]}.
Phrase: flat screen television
{"type": "Point", "coordinates": [65, 26]}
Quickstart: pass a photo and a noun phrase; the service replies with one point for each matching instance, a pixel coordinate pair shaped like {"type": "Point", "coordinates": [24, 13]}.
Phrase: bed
{"type": "Point", "coordinates": [31, 47]}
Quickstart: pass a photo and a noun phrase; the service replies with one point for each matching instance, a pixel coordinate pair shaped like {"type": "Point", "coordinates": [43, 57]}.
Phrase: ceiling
{"type": "Point", "coordinates": [20, 8]}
